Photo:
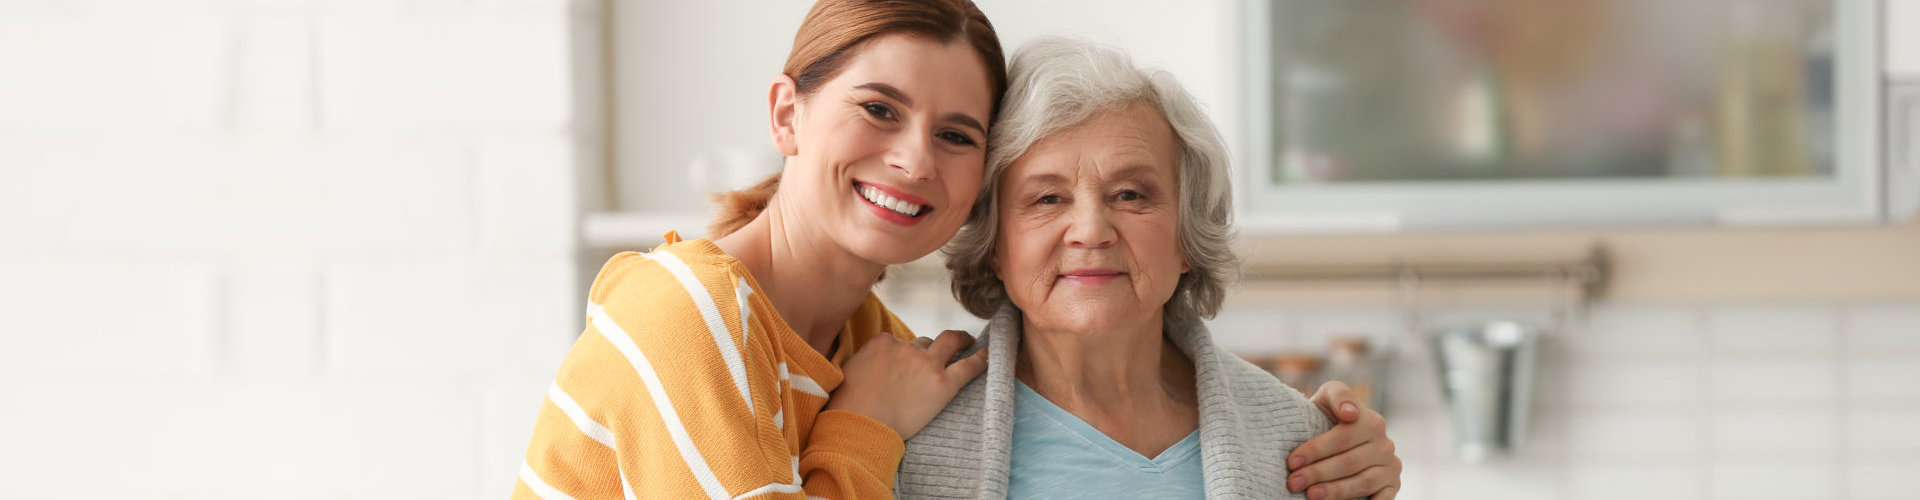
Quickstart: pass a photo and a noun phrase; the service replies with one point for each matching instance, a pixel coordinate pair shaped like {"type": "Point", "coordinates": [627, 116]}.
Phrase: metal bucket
{"type": "Point", "coordinates": [1487, 372]}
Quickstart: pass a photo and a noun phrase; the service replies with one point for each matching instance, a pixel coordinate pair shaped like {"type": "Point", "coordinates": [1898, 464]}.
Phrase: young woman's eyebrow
{"type": "Point", "coordinates": [963, 120]}
{"type": "Point", "coordinates": [894, 93]}
{"type": "Point", "coordinates": [889, 91]}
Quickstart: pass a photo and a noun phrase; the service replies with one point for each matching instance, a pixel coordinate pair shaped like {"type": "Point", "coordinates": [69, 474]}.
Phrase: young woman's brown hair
{"type": "Point", "coordinates": [833, 33]}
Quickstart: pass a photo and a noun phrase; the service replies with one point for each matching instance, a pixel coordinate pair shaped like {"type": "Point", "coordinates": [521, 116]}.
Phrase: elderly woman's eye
{"type": "Point", "coordinates": [1129, 195]}
{"type": "Point", "coordinates": [1049, 199]}
{"type": "Point", "coordinates": [878, 110]}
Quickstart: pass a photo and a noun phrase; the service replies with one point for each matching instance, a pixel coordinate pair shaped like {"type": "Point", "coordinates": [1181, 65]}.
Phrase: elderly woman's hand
{"type": "Point", "coordinates": [1353, 460]}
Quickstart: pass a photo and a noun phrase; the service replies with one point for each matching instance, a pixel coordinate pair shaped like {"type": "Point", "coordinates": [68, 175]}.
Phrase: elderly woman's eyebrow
{"type": "Point", "coordinates": [894, 93]}
{"type": "Point", "coordinates": [1137, 172]}
{"type": "Point", "coordinates": [1040, 179]}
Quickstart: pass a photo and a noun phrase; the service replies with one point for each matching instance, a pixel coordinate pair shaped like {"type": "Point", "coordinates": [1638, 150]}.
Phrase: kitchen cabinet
{"type": "Point", "coordinates": [1382, 115]}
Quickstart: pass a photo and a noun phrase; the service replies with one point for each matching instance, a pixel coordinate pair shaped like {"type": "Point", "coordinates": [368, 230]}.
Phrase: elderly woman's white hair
{"type": "Point", "coordinates": [1057, 83]}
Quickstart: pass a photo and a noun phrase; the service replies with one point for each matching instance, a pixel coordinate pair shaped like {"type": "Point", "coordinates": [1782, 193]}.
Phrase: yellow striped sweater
{"type": "Point", "coordinates": [687, 384]}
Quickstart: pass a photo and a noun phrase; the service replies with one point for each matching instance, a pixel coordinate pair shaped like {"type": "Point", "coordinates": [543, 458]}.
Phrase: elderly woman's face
{"type": "Point", "coordinates": [1088, 221]}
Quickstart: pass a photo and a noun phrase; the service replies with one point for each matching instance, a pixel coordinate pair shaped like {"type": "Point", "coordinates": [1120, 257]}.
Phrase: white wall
{"type": "Point", "coordinates": [292, 249]}
{"type": "Point", "coordinates": [1903, 39]}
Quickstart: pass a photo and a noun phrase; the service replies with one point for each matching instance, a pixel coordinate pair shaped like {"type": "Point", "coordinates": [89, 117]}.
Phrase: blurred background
{"type": "Point", "coordinates": [1579, 250]}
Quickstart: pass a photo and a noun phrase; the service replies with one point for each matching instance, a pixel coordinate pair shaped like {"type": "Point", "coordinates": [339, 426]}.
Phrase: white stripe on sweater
{"type": "Point", "coordinates": [740, 293]}
{"type": "Point", "coordinates": [717, 326]}
{"type": "Point", "coordinates": [540, 488]}
{"type": "Point", "coordinates": [801, 383]}
{"type": "Point", "coordinates": [678, 431]}
{"type": "Point", "coordinates": [579, 415]}
{"type": "Point", "coordinates": [771, 488]}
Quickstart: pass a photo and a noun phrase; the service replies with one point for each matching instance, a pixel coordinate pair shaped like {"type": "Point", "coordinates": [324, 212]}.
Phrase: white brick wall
{"type": "Point", "coordinates": [282, 249]}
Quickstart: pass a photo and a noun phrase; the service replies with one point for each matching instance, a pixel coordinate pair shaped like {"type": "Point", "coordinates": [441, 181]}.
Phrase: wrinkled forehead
{"type": "Point", "coordinates": [1134, 141]}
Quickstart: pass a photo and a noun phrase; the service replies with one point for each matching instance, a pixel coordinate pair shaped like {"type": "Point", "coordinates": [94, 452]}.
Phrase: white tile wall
{"type": "Point", "coordinates": [1883, 430]}
{"type": "Point", "coordinates": [1774, 381]}
{"type": "Point", "coordinates": [1883, 379]}
{"type": "Point", "coordinates": [1645, 479]}
{"type": "Point", "coordinates": [1881, 479]}
{"type": "Point", "coordinates": [1636, 434]}
{"type": "Point", "coordinates": [1815, 435]}
{"type": "Point", "coordinates": [1787, 328]}
{"type": "Point", "coordinates": [1881, 327]}
{"type": "Point", "coordinates": [1627, 382]}
{"type": "Point", "coordinates": [1641, 330]}
{"type": "Point", "coordinates": [282, 249]}
{"type": "Point", "coordinates": [1779, 480]}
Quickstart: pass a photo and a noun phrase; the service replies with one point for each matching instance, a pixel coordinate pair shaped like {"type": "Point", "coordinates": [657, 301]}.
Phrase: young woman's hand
{"type": "Point", "coordinates": [904, 385]}
{"type": "Point", "coordinates": [1353, 460]}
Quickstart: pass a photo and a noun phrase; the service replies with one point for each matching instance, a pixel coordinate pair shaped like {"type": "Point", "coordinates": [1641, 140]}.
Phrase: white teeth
{"type": "Point", "coordinates": [901, 207]}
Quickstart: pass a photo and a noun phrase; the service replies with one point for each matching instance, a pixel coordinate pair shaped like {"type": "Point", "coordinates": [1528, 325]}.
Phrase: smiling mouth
{"type": "Point", "coordinates": [880, 199]}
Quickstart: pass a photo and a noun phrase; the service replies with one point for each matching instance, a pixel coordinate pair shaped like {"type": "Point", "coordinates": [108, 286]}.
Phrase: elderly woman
{"type": "Point", "coordinates": [1100, 243]}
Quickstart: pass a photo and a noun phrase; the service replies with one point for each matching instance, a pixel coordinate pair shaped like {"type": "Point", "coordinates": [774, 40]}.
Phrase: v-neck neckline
{"type": "Point", "coordinates": [1174, 456]}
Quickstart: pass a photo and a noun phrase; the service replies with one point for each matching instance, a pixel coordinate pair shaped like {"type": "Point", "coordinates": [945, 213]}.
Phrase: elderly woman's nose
{"type": "Point", "coordinates": [1089, 226]}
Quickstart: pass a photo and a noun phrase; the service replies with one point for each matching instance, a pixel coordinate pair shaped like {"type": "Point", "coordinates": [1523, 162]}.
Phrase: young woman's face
{"type": "Point", "coordinates": [888, 155]}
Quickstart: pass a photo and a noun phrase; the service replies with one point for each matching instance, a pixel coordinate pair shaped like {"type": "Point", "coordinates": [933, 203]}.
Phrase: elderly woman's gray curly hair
{"type": "Point", "coordinates": [1057, 83]}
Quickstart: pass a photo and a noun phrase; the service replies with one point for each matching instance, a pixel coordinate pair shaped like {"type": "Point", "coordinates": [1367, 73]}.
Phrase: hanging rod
{"type": "Point", "coordinates": [1589, 273]}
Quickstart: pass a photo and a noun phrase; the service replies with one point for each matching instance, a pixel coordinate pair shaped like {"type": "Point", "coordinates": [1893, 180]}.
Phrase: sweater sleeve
{"type": "Point", "coordinates": [851, 456]}
{"type": "Point", "coordinates": [669, 394]}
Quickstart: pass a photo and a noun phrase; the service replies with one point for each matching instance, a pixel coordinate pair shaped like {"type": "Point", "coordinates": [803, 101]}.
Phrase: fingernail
{"type": "Point", "coordinates": [1296, 482]}
{"type": "Point", "coordinates": [1294, 462]}
{"type": "Point", "coordinates": [1317, 493]}
{"type": "Point", "coordinates": [1349, 407]}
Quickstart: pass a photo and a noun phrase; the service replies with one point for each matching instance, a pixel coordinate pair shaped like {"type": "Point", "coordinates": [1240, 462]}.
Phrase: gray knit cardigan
{"type": "Point", "coordinates": [1249, 421]}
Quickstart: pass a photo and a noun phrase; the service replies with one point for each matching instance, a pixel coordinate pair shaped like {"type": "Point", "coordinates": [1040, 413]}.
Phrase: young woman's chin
{"type": "Point", "coordinates": [887, 250]}
{"type": "Point", "coordinates": [894, 247]}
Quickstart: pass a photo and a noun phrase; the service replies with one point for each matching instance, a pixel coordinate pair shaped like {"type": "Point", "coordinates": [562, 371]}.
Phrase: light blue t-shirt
{"type": "Point", "coordinates": [1057, 455]}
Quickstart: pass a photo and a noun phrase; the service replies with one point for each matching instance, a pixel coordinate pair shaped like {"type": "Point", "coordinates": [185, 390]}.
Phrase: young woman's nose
{"type": "Point", "coordinates": [912, 156]}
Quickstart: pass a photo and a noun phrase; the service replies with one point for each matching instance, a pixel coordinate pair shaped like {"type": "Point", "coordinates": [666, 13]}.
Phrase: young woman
{"type": "Point", "coordinates": [706, 365]}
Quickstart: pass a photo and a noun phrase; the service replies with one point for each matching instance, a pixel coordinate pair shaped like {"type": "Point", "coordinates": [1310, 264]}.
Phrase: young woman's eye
{"type": "Point", "coordinates": [877, 110]}
{"type": "Point", "coordinates": [956, 138]}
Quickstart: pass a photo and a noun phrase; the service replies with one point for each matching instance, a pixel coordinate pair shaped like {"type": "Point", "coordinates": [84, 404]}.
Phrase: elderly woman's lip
{"type": "Point", "coordinates": [1092, 277]}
